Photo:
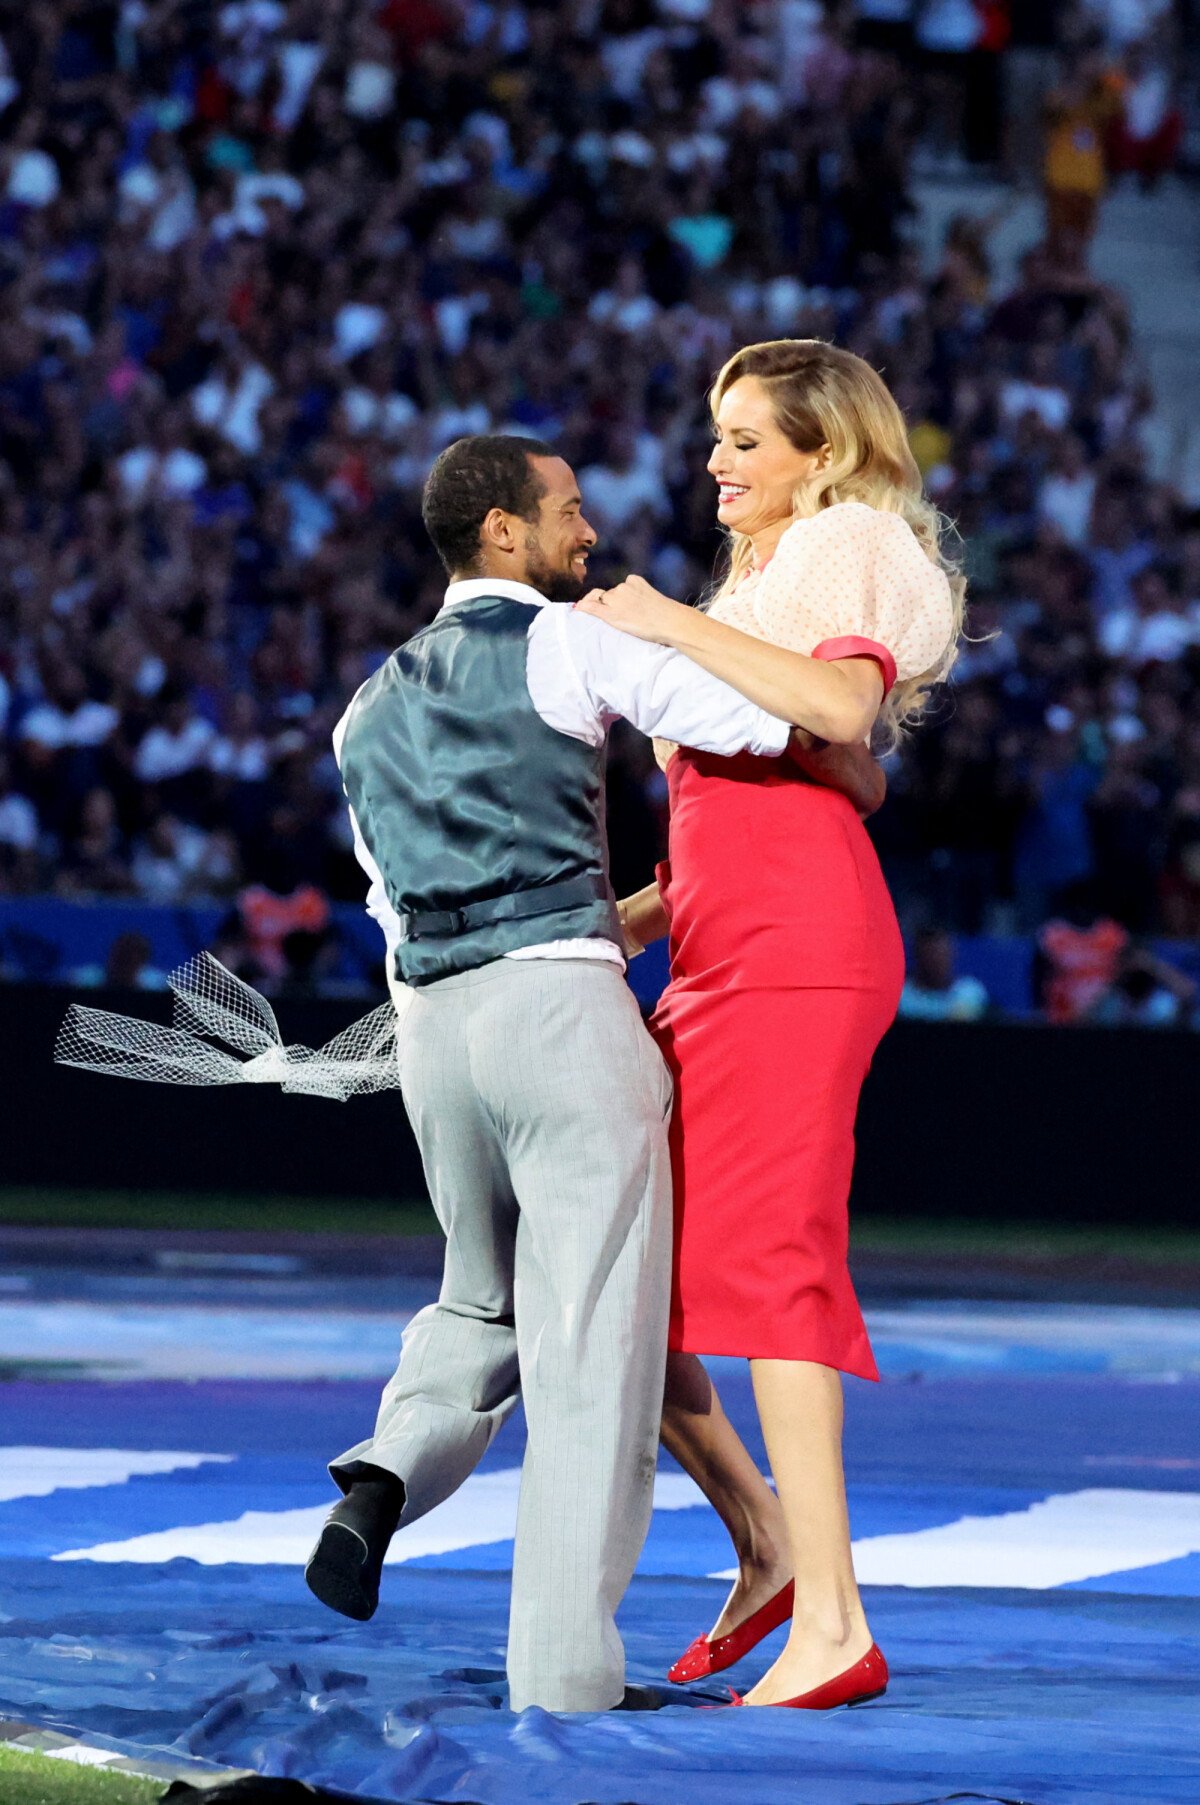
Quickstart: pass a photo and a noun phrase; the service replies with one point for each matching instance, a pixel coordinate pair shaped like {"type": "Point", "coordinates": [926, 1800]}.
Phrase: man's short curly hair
{"type": "Point", "coordinates": [468, 480]}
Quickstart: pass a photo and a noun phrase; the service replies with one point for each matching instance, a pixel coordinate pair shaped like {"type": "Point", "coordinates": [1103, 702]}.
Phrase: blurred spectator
{"type": "Point", "coordinates": [308, 961]}
{"type": "Point", "coordinates": [932, 992]}
{"type": "Point", "coordinates": [94, 859]}
{"type": "Point", "coordinates": [34, 181]}
{"type": "Point", "coordinates": [167, 861]}
{"type": "Point", "coordinates": [1054, 850]}
{"type": "Point", "coordinates": [163, 466]}
{"type": "Point", "coordinates": [1079, 115]}
{"type": "Point", "coordinates": [971, 800]}
{"type": "Point", "coordinates": [1080, 956]}
{"type": "Point", "coordinates": [622, 486]}
{"type": "Point", "coordinates": [62, 741]}
{"type": "Point", "coordinates": [230, 400]}
{"type": "Point", "coordinates": [961, 41]}
{"type": "Point", "coordinates": [886, 25]}
{"type": "Point", "coordinates": [129, 966]}
{"type": "Point", "coordinates": [19, 833]}
{"type": "Point", "coordinates": [1180, 887]}
{"type": "Point", "coordinates": [271, 922]}
{"type": "Point", "coordinates": [1146, 992]}
{"type": "Point", "coordinates": [1068, 490]}
{"type": "Point", "coordinates": [1035, 391]}
{"type": "Point", "coordinates": [174, 753]}
{"type": "Point", "coordinates": [1147, 131]}
{"type": "Point", "coordinates": [1029, 70]}
{"type": "Point", "coordinates": [1124, 22]}
{"type": "Point", "coordinates": [1154, 627]}
{"type": "Point", "coordinates": [1124, 816]}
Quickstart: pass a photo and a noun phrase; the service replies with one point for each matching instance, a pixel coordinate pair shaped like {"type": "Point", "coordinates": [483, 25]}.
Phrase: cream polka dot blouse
{"type": "Point", "coordinates": [849, 582]}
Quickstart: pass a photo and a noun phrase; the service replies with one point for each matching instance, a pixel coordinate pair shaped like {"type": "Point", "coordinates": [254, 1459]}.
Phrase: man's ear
{"type": "Point", "coordinates": [497, 531]}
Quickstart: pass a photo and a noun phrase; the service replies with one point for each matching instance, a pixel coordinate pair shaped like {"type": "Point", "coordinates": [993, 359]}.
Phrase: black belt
{"type": "Point", "coordinates": [518, 905]}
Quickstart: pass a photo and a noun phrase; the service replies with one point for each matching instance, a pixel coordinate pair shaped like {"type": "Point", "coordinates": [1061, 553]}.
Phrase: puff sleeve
{"type": "Point", "coordinates": [853, 582]}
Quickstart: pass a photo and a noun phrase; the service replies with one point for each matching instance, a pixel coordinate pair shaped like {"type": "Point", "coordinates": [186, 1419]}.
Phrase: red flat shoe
{"type": "Point", "coordinates": [704, 1657]}
{"type": "Point", "coordinates": [866, 1679]}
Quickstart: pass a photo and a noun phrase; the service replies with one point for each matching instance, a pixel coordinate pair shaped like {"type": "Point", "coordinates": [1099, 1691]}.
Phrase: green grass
{"type": "Point", "coordinates": [1022, 1240]}
{"type": "Point", "coordinates": [225, 1213]}
{"type": "Point", "coordinates": [216, 1211]}
{"type": "Point", "coordinates": [32, 1779]}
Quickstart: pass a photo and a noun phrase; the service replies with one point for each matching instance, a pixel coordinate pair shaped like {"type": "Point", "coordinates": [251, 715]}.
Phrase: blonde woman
{"type": "Point", "coordinates": [838, 612]}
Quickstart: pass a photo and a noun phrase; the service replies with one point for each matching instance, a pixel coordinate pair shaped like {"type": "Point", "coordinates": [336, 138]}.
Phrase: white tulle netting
{"type": "Point", "coordinates": [211, 1006]}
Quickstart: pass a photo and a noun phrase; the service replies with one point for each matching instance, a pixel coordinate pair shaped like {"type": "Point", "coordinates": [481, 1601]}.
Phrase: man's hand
{"type": "Point", "coordinates": [848, 769]}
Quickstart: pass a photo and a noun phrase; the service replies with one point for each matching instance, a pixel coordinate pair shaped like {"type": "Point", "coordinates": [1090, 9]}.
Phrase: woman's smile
{"type": "Point", "coordinates": [729, 493]}
{"type": "Point", "coordinates": [747, 433]}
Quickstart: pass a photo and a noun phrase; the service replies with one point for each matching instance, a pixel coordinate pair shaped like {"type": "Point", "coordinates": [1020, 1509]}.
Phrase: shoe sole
{"type": "Point", "coordinates": [334, 1574]}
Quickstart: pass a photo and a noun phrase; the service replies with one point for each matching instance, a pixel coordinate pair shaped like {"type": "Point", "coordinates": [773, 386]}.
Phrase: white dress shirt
{"type": "Point", "coordinates": [583, 675]}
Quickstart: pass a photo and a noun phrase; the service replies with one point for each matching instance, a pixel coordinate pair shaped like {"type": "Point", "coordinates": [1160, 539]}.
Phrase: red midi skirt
{"type": "Point", "coordinates": [786, 968]}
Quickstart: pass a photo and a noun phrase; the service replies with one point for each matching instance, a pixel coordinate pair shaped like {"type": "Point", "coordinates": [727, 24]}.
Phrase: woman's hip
{"type": "Point", "coordinates": [768, 1071]}
{"type": "Point", "coordinates": [804, 905]}
{"type": "Point", "coordinates": [860, 952]}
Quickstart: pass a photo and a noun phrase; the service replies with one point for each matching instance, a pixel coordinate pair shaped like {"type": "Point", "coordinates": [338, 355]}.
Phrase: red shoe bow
{"type": "Point", "coordinates": [705, 1658]}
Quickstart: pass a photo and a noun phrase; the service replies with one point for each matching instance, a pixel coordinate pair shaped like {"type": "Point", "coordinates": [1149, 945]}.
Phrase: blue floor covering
{"type": "Point", "coordinates": [1084, 1690]}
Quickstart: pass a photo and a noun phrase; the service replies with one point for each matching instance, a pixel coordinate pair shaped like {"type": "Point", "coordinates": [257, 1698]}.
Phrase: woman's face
{"type": "Point", "coordinates": [758, 469]}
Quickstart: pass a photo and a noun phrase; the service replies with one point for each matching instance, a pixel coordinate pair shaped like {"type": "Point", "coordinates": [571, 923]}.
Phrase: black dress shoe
{"type": "Point", "coordinates": [641, 1698]}
{"type": "Point", "coordinates": [343, 1569]}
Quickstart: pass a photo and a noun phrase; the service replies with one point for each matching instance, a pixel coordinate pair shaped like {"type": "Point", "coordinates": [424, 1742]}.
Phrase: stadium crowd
{"type": "Point", "coordinates": [261, 262]}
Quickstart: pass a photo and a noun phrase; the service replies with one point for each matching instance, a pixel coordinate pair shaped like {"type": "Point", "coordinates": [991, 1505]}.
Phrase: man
{"type": "Point", "coordinates": [474, 766]}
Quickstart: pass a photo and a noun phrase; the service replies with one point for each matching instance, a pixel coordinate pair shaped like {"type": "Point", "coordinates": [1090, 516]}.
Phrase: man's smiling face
{"type": "Point", "coordinates": [558, 541]}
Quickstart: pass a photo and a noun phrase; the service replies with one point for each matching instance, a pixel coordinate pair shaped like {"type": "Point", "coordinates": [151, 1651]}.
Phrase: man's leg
{"type": "Point", "coordinates": [457, 1379]}
{"type": "Point", "coordinates": [583, 1094]}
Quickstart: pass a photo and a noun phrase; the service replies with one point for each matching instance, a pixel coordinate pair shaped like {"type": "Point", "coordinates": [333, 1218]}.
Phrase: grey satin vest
{"type": "Point", "coordinates": [486, 824]}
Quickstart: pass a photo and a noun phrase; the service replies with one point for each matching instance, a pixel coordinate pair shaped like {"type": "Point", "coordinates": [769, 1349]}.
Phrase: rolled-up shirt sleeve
{"type": "Point", "coordinates": [379, 907]}
{"type": "Point", "coordinates": [584, 674]}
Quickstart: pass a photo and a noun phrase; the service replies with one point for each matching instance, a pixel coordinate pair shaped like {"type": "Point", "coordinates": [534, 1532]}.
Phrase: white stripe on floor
{"type": "Point", "coordinates": [1079, 1535]}
{"type": "Point", "coordinates": [482, 1512]}
{"type": "Point", "coordinates": [36, 1472]}
{"type": "Point", "coordinates": [1073, 1536]}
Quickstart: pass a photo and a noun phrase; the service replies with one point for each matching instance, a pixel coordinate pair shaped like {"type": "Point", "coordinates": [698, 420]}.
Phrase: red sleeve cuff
{"type": "Point", "coordinates": [852, 646]}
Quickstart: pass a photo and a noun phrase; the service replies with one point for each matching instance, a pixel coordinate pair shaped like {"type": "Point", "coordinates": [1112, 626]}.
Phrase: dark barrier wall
{"type": "Point", "coordinates": [1007, 1122]}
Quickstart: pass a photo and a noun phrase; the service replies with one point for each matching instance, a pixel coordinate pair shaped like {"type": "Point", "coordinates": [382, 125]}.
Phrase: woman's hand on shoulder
{"type": "Point", "coordinates": [636, 607]}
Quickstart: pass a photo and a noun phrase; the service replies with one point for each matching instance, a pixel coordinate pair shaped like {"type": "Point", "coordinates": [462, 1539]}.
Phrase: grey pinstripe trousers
{"type": "Point", "coordinates": [539, 1102]}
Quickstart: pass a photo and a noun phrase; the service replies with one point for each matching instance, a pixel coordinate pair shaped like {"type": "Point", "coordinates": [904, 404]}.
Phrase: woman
{"type": "Point", "coordinates": [838, 612]}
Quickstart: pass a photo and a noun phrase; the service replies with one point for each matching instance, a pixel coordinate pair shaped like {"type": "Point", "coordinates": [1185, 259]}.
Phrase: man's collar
{"type": "Point", "coordinates": [473, 587]}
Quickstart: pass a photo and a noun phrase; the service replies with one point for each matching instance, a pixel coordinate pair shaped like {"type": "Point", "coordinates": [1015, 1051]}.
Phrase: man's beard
{"type": "Point", "coordinates": [555, 585]}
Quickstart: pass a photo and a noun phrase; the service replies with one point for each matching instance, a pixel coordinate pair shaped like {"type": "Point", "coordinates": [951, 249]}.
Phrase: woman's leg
{"type": "Point", "coordinates": [696, 1431]}
{"type": "Point", "coordinates": [800, 1407]}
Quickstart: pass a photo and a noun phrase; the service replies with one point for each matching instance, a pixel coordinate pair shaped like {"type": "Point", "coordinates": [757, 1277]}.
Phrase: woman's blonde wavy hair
{"type": "Point", "coordinates": [822, 395]}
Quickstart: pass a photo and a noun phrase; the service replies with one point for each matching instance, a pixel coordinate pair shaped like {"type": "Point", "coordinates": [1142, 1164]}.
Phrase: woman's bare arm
{"type": "Point", "coordinates": [643, 919]}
